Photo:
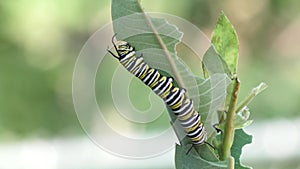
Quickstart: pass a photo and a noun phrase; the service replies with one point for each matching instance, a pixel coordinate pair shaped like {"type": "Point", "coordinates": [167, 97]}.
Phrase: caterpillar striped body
{"type": "Point", "coordinates": [163, 86]}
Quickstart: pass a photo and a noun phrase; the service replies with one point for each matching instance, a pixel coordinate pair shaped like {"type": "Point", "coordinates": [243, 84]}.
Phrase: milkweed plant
{"type": "Point", "coordinates": [221, 145]}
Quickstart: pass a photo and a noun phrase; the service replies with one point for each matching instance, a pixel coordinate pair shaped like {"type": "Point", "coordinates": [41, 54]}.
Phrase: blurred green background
{"type": "Point", "coordinates": [41, 39]}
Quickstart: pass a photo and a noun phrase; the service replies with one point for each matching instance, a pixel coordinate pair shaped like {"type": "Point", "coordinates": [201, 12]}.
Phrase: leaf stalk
{"type": "Point", "coordinates": [250, 97]}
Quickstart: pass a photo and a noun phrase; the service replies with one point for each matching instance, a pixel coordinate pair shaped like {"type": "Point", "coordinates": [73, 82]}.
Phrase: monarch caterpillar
{"type": "Point", "coordinates": [163, 86]}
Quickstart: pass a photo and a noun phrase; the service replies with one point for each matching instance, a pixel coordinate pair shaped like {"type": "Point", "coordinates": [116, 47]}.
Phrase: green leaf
{"type": "Point", "coordinates": [193, 160]}
{"type": "Point", "coordinates": [144, 33]}
{"type": "Point", "coordinates": [212, 95]}
{"type": "Point", "coordinates": [225, 40]}
{"type": "Point", "coordinates": [155, 38]}
{"type": "Point", "coordinates": [124, 7]}
{"type": "Point", "coordinates": [212, 63]}
{"type": "Point", "coordinates": [240, 140]}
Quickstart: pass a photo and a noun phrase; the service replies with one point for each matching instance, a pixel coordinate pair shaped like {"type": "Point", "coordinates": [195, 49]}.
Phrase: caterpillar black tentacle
{"type": "Point", "coordinates": [163, 86]}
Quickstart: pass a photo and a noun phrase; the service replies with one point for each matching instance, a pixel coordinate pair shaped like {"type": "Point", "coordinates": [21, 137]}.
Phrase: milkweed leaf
{"type": "Point", "coordinates": [225, 41]}
{"type": "Point", "coordinates": [143, 32]}
{"type": "Point", "coordinates": [240, 140]}
{"type": "Point", "coordinates": [193, 160]}
{"type": "Point", "coordinates": [134, 27]}
{"type": "Point", "coordinates": [213, 63]}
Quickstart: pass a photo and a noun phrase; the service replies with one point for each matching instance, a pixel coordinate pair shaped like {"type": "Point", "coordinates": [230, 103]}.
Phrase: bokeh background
{"type": "Point", "coordinates": [41, 39]}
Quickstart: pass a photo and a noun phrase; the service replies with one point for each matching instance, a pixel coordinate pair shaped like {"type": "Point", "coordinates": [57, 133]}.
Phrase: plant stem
{"type": "Point", "coordinates": [230, 162]}
{"type": "Point", "coordinates": [229, 128]}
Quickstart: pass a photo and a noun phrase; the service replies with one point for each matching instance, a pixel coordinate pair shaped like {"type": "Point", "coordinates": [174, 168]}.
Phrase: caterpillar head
{"type": "Point", "coordinates": [123, 48]}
